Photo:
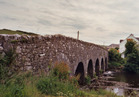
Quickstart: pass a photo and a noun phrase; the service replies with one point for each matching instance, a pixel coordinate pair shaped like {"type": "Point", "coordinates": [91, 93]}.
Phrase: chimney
{"type": "Point", "coordinates": [131, 34]}
{"type": "Point", "coordinates": [78, 35]}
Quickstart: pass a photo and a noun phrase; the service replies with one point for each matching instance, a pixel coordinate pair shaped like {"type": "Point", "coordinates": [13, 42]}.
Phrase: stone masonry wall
{"type": "Point", "coordinates": [37, 52]}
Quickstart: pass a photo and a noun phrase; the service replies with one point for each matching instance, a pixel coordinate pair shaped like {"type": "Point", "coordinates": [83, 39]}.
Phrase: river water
{"type": "Point", "coordinates": [131, 90]}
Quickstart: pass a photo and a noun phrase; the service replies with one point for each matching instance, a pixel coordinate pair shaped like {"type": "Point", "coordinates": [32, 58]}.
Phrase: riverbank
{"type": "Point", "coordinates": [27, 85]}
{"type": "Point", "coordinates": [120, 83]}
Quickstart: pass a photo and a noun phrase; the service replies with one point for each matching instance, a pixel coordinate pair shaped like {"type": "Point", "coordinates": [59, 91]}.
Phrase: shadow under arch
{"type": "Point", "coordinates": [102, 65]}
{"type": "Point", "coordinates": [90, 69]}
{"type": "Point", "coordinates": [80, 72]}
{"type": "Point", "coordinates": [97, 67]}
{"type": "Point", "coordinates": [106, 63]}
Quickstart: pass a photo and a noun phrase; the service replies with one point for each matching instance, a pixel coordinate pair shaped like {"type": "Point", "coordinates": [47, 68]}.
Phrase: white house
{"type": "Point", "coordinates": [123, 42]}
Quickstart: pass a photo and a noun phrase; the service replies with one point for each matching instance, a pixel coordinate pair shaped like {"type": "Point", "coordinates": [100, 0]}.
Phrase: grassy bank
{"type": "Point", "coordinates": [27, 85]}
{"type": "Point", "coordinates": [6, 31]}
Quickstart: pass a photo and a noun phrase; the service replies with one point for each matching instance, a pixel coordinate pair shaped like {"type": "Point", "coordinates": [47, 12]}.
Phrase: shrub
{"type": "Point", "coordinates": [115, 59]}
{"type": "Point", "coordinates": [114, 55]}
{"type": "Point", "coordinates": [61, 70]}
{"type": "Point", "coordinates": [87, 80]}
{"type": "Point", "coordinates": [14, 87]}
{"type": "Point", "coordinates": [6, 63]}
{"type": "Point", "coordinates": [52, 86]}
{"type": "Point", "coordinates": [74, 80]}
{"type": "Point", "coordinates": [21, 85]}
{"type": "Point", "coordinates": [115, 64]}
{"type": "Point", "coordinates": [130, 67]}
{"type": "Point", "coordinates": [95, 76]}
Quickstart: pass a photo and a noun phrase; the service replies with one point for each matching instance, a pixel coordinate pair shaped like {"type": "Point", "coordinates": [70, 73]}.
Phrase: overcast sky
{"type": "Point", "coordinates": [99, 21]}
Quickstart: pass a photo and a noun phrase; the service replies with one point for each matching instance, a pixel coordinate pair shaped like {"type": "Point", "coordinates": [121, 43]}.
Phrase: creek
{"type": "Point", "coordinates": [127, 84]}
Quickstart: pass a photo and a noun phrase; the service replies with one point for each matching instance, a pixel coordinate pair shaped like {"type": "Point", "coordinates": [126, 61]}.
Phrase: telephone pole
{"type": "Point", "coordinates": [78, 35]}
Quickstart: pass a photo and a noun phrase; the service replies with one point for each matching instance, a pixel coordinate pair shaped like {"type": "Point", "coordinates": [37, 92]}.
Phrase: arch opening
{"type": "Point", "coordinates": [97, 67]}
{"type": "Point", "coordinates": [80, 72]}
{"type": "Point", "coordinates": [102, 65]}
{"type": "Point", "coordinates": [106, 63]}
{"type": "Point", "coordinates": [90, 69]}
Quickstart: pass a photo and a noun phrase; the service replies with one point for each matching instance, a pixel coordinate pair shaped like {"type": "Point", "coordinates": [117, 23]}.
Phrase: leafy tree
{"type": "Point", "coordinates": [132, 56]}
{"type": "Point", "coordinates": [114, 55]}
{"type": "Point", "coordinates": [130, 46]}
{"type": "Point", "coordinates": [115, 59]}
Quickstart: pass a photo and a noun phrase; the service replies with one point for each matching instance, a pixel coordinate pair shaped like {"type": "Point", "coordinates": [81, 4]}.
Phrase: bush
{"type": "Point", "coordinates": [6, 62]}
{"type": "Point", "coordinates": [52, 86]}
{"type": "Point", "coordinates": [61, 70]}
{"type": "Point", "coordinates": [114, 55]}
{"type": "Point", "coordinates": [115, 59]}
{"type": "Point", "coordinates": [87, 80]}
{"type": "Point", "coordinates": [14, 87]}
{"type": "Point", "coordinates": [115, 64]}
{"type": "Point", "coordinates": [74, 80]}
{"type": "Point", "coordinates": [130, 67]}
{"type": "Point", "coordinates": [21, 85]}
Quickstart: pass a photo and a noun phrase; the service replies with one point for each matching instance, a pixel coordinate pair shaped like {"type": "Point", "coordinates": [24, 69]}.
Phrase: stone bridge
{"type": "Point", "coordinates": [37, 52]}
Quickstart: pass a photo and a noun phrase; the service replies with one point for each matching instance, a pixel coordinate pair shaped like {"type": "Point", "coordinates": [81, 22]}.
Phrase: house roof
{"type": "Point", "coordinates": [137, 38]}
{"type": "Point", "coordinates": [130, 35]}
{"type": "Point", "coordinates": [121, 41]}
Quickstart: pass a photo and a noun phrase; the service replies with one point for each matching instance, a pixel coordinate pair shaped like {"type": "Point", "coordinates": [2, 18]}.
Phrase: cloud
{"type": "Point", "coordinates": [99, 21]}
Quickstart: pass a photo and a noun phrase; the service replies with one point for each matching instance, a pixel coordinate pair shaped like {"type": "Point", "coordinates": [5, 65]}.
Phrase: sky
{"type": "Point", "coordinates": [99, 21]}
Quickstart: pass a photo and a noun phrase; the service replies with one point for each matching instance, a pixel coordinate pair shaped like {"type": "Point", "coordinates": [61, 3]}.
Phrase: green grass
{"type": "Point", "coordinates": [6, 31]}
{"type": "Point", "coordinates": [27, 85]}
{"type": "Point", "coordinates": [20, 85]}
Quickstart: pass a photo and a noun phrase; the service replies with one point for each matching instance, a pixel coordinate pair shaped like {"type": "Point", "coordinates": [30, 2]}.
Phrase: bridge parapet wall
{"type": "Point", "coordinates": [37, 52]}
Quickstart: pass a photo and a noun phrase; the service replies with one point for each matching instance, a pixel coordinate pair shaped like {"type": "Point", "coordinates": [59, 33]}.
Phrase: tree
{"type": "Point", "coordinates": [115, 59]}
{"type": "Point", "coordinates": [114, 55]}
{"type": "Point", "coordinates": [130, 46]}
{"type": "Point", "coordinates": [132, 56]}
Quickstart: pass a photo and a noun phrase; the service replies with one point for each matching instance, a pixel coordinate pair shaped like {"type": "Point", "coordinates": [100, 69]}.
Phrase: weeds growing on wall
{"type": "Point", "coordinates": [6, 63]}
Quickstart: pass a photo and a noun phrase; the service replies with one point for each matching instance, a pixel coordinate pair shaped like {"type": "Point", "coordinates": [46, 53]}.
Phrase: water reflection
{"type": "Point", "coordinates": [132, 79]}
{"type": "Point", "coordinates": [123, 92]}
{"type": "Point", "coordinates": [118, 91]}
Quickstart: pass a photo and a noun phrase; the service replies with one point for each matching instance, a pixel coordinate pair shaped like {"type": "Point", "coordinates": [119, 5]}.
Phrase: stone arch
{"type": "Point", "coordinates": [90, 69]}
{"type": "Point", "coordinates": [97, 67]}
{"type": "Point", "coordinates": [102, 65]}
{"type": "Point", "coordinates": [106, 63]}
{"type": "Point", "coordinates": [80, 72]}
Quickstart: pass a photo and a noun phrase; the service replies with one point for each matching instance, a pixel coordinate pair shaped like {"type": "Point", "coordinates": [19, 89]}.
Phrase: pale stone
{"type": "Point", "coordinates": [18, 49]}
{"type": "Point", "coordinates": [1, 48]}
{"type": "Point", "coordinates": [41, 55]}
{"type": "Point", "coordinates": [28, 67]}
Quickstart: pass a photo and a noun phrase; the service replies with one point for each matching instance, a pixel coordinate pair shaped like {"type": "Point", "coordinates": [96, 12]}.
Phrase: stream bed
{"type": "Point", "coordinates": [126, 84]}
{"type": "Point", "coordinates": [120, 83]}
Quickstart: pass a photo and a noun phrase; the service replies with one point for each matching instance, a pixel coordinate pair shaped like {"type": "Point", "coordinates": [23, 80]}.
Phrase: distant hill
{"type": "Point", "coordinates": [7, 31]}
